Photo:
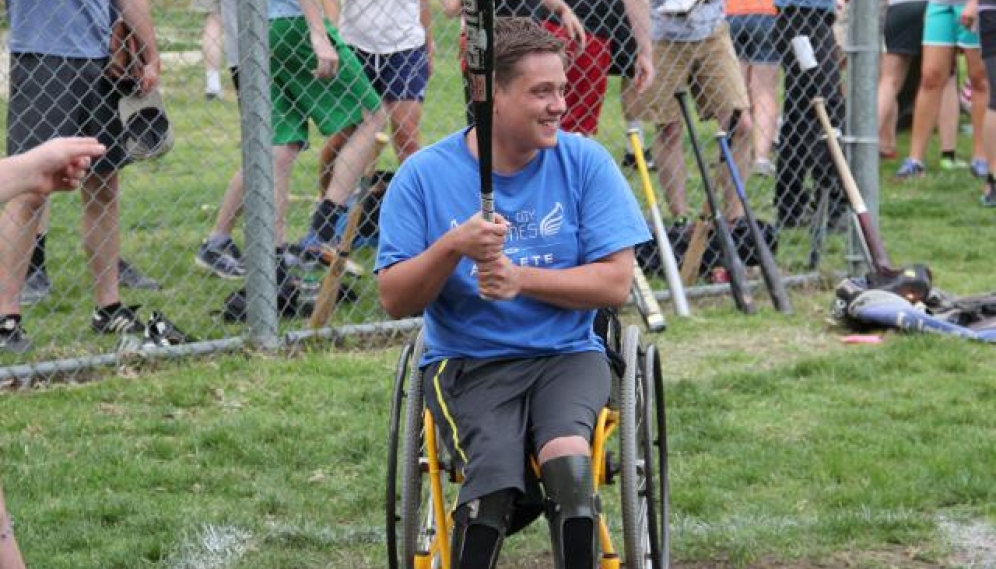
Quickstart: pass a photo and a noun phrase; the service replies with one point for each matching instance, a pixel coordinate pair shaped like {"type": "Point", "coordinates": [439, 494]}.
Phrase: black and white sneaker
{"type": "Point", "coordinates": [120, 320]}
{"type": "Point", "coordinates": [12, 336]}
{"type": "Point", "coordinates": [37, 287]}
{"type": "Point", "coordinates": [223, 259]}
{"type": "Point", "coordinates": [129, 276]}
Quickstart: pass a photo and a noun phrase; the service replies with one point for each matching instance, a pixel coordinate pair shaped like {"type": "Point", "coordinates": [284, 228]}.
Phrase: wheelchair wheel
{"type": "Point", "coordinates": [640, 466]}
{"type": "Point", "coordinates": [657, 445]}
{"type": "Point", "coordinates": [393, 516]}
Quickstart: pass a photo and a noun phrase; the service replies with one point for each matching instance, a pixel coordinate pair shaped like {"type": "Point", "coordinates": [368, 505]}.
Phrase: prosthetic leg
{"type": "Point", "coordinates": [571, 510]}
{"type": "Point", "coordinates": [479, 528]}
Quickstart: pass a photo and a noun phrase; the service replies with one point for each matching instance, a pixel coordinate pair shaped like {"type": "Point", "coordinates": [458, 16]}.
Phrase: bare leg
{"type": "Point", "coordinates": [283, 162]}
{"type": "Point", "coordinates": [935, 71]}
{"type": "Point", "coordinates": [763, 89]}
{"type": "Point", "coordinates": [405, 119]}
{"type": "Point", "coordinates": [18, 227]}
{"type": "Point", "coordinates": [211, 44]}
{"type": "Point", "coordinates": [356, 154]}
{"type": "Point", "coordinates": [980, 99]}
{"type": "Point", "coordinates": [893, 72]}
{"type": "Point", "coordinates": [670, 159]}
{"type": "Point", "coordinates": [231, 206]}
{"type": "Point", "coordinates": [101, 238]}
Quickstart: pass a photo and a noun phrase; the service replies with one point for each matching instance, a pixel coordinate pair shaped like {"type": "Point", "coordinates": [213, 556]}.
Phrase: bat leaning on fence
{"type": "Point", "coordinates": [772, 276]}
{"type": "Point", "coordinates": [328, 293]}
{"type": "Point", "coordinates": [734, 266]}
{"type": "Point", "coordinates": [664, 250]}
{"type": "Point", "coordinates": [646, 302]}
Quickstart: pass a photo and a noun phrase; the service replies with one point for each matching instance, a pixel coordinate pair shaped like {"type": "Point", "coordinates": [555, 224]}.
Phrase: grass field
{"type": "Point", "coordinates": [788, 448]}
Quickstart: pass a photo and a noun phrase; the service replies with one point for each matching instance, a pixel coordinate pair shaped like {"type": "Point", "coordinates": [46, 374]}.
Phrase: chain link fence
{"type": "Point", "coordinates": [199, 238]}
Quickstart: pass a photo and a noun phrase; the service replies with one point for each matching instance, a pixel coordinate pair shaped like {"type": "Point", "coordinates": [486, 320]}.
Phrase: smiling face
{"type": "Point", "coordinates": [528, 107]}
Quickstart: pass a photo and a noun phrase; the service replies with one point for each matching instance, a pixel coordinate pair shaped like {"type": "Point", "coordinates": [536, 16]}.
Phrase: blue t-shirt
{"type": "Point", "coordinates": [66, 28]}
{"type": "Point", "coordinates": [567, 207]}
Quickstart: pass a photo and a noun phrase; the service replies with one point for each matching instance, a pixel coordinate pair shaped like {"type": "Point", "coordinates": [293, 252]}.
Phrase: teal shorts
{"type": "Point", "coordinates": [297, 95]}
{"type": "Point", "coordinates": [941, 27]}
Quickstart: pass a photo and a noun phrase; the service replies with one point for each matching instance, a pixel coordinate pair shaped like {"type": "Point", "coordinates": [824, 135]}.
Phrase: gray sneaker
{"type": "Point", "coordinates": [218, 259]}
{"type": "Point", "coordinates": [12, 337]}
{"type": "Point", "coordinates": [130, 277]}
{"type": "Point", "coordinates": [37, 287]}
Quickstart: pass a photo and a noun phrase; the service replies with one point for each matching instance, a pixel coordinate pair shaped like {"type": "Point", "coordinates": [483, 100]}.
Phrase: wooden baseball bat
{"type": "Point", "coordinates": [697, 244]}
{"type": "Point", "coordinates": [876, 248]}
{"type": "Point", "coordinates": [734, 266]}
{"type": "Point", "coordinates": [325, 302]}
{"type": "Point", "coordinates": [664, 249]}
{"type": "Point", "coordinates": [769, 270]}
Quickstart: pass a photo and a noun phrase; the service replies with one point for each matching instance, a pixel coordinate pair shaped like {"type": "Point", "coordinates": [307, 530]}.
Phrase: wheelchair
{"type": "Point", "coordinates": [422, 480]}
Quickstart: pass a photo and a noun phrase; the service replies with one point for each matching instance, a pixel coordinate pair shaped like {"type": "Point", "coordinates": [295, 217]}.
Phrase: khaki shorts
{"type": "Point", "coordinates": [708, 69]}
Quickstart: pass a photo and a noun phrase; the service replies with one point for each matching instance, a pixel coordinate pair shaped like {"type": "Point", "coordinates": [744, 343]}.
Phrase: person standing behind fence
{"type": "Point", "coordinates": [943, 33]}
{"type": "Point", "coordinates": [982, 14]}
{"type": "Point", "coordinates": [751, 25]}
{"type": "Point", "coordinates": [58, 52]}
{"type": "Point", "coordinates": [903, 38]}
{"type": "Point", "coordinates": [692, 52]}
{"type": "Point", "coordinates": [801, 150]}
{"type": "Point", "coordinates": [588, 71]}
{"type": "Point", "coordinates": [313, 75]}
{"type": "Point", "coordinates": [211, 45]}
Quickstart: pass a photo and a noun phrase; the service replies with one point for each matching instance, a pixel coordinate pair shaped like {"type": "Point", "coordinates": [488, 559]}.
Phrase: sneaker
{"type": "Point", "coordinates": [988, 199]}
{"type": "Point", "coordinates": [37, 287]}
{"type": "Point", "coordinates": [953, 164]}
{"type": "Point", "coordinates": [911, 169]}
{"type": "Point", "coordinates": [130, 277]}
{"type": "Point", "coordinates": [980, 169]}
{"type": "Point", "coordinates": [629, 160]}
{"type": "Point", "coordinates": [219, 260]}
{"type": "Point", "coordinates": [764, 168]}
{"type": "Point", "coordinates": [12, 337]}
{"type": "Point", "coordinates": [122, 321]}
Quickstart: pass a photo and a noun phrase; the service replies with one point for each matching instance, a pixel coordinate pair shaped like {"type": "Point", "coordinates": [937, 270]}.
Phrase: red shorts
{"type": "Point", "coordinates": [587, 79]}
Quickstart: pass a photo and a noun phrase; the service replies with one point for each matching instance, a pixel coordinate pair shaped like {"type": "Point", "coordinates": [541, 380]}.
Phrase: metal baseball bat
{"type": "Point", "coordinates": [646, 302]}
{"type": "Point", "coordinates": [772, 276]}
{"type": "Point", "coordinates": [664, 248]}
{"type": "Point", "coordinates": [479, 16]}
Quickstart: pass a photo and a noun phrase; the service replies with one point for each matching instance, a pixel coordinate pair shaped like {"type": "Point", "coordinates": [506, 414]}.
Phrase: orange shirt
{"type": "Point", "coordinates": [743, 7]}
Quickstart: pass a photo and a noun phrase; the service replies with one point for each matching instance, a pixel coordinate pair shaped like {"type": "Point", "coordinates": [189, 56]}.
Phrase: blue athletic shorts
{"type": "Point", "coordinates": [398, 76]}
{"type": "Point", "coordinates": [941, 27]}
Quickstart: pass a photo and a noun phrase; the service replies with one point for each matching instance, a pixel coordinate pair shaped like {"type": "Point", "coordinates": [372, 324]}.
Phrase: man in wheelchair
{"type": "Point", "coordinates": [512, 365]}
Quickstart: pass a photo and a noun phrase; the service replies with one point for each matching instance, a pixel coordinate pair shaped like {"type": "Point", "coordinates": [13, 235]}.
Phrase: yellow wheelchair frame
{"type": "Point", "coordinates": [422, 479]}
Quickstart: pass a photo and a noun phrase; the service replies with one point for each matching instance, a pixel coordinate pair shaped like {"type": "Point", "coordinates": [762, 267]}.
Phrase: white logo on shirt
{"type": "Point", "coordinates": [553, 221]}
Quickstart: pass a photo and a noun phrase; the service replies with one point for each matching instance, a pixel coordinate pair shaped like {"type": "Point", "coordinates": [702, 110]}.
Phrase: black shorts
{"type": "Point", "coordinates": [52, 96]}
{"type": "Point", "coordinates": [987, 36]}
{"type": "Point", "coordinates": [904, 28]}
{"type": "Point", "coordinates": [493, 414]}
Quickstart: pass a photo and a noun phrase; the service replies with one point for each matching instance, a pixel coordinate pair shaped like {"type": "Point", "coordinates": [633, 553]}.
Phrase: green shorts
{"type": "Point", "coordinates": [941, 27]}
{"type": "Point", "coordinates": [297, 95]}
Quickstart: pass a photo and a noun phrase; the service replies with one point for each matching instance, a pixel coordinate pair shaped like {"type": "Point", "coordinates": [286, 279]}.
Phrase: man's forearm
{"type": "Point", "coordinates": [406, 288]}
{"type": "Point", "coordinates": [638, 13]}
{"type": "Point", "coordinates": [594, 285]}
{"type": "Point", "coordinates": [138, 16]}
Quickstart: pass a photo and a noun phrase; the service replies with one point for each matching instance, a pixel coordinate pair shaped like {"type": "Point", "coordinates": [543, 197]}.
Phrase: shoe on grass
{"type": "Point", "coordinates": [120, 320]}
{"type": "Point", "coordinates": [219, 259]}
{"type": "Point", "coordinates": [764, 168]}
{"type": "Point", "coordinates": [988, 199]}
{"type": "Point", "coordinates": [131, 277]}
{"type": "Point", "coordinates": [37, 287]}
{"type": "Point", "coordinates": [980, 168]}
{"type": "Point", "coordinates": [12, 336]}
{"type": "Point", "coordinates": [953, 164]}
{"type": "Point", "coordinates": [911, 169]}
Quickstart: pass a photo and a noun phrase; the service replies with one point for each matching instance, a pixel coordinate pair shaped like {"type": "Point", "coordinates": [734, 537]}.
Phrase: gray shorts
{"type": "Point", "coordinates": [493, 414]}
{"type": "Point", "coordinates": [52, 96]}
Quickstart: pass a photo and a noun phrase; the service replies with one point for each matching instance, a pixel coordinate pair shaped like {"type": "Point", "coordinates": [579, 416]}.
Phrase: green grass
{"type": "Point", "coordinates": [788, 448]}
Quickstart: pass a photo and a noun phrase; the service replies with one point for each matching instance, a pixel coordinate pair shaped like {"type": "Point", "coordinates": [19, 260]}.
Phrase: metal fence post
{"type": "Point", "coordinates": [257, 165]}
{"type": "Point", "coordinates": [863, 52]}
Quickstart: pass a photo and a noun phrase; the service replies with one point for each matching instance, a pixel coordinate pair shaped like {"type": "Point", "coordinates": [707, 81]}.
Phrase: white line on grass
{"type": "Point", "coordinates": [214, 547]}
{"type": "Point", "coordinates": [973, 542]}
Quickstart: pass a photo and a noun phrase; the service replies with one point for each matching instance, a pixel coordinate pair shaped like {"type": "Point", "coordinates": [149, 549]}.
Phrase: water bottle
{"type": "Point", "coordinates": [311, 281]}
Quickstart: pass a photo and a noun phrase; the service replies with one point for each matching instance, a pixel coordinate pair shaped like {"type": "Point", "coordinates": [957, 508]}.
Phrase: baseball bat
{"type": "Point", "coordinates": [734, 266]}
{"type": "Point", "coordinates": [879, 258]}
{"type": "Point", "coordinates": [479, 16]}
{"type": "Point", "coordinates": [769, 270]}
{"type": "Point", "coordinates": [664, 249]}
{"type": "Point", "coordinates": [646, 302]}
{"type": "Point", "coordinates": [696, 248]}
{"type": "Point", "coordinates": [325, 302]}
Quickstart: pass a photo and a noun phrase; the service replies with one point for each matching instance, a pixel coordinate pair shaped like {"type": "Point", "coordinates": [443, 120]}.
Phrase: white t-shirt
{"type": "Point", "coordinates": [381, 26]}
